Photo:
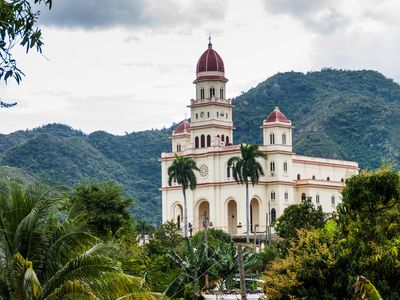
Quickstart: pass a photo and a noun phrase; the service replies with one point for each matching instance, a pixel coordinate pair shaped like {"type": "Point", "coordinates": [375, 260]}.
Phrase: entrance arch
{"type": "Point", "coordinates": [204, 208]}
{"type": "Point", "coordinates": [232, 217]}
{"type": "Point", "coordinates": [178, 215]}
{"type": "Point", "coordinates": [254, 214]}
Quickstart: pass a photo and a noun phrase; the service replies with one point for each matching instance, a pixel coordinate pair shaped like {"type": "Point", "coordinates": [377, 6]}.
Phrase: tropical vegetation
{"type": "Point", "coordinates": [246, 169]}
{"type": "Point", "coordinates": [181, 171]}
{"type": "Point", "coordinates": [49, 254]}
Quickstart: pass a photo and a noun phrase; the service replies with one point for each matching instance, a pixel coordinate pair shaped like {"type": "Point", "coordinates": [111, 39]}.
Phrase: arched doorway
{"type": "Point", "coordinates": [178, 215]}
{"type": "Point", "coordinates": [232, 217]}
{"type": "Point", "coordinates": [204, 208]}
{"type": "Point", "coordinates": [254, 214]}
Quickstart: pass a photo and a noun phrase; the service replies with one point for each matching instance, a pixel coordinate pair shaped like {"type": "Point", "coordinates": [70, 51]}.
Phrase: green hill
{"type": "Point", "coordinates": [351, 115]}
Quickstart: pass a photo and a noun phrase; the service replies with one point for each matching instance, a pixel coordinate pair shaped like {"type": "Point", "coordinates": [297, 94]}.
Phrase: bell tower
{"type": "Point", "coordinates": [211, 111]}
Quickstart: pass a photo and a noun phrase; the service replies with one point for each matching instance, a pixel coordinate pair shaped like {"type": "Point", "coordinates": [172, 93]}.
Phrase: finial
{"type": "Point", "coordinates": [209, 41]}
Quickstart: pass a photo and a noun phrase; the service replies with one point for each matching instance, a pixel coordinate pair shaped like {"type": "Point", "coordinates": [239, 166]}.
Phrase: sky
{"type": "Point", "coordinates": [129, 65]}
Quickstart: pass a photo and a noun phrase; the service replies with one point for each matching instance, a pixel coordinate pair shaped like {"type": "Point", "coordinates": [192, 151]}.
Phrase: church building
{"type": "Point", "coordinates": [208, 138]}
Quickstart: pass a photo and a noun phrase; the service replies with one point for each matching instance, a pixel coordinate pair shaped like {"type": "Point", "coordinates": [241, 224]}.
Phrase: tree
{"type": "Point", "coordinates": [44, 257]}
{"type": "Point", "coordinates": [182, 171]}
{"type": "Point", "coordinates": [17, 25]}
{"type": "Point", "coordinates": [105, 205]}
{"type": "Point", "coordinates": [327, 263]}
{"type": "Point", "coordinates": [299, 216]}
{"type": "Point", "coordinates": [245, 168]}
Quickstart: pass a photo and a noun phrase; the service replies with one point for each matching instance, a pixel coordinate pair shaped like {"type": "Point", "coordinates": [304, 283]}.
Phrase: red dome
{"type": "Point", "coordinates": [277, 116]}
{"type": "Point", "coordinates": [184, 126]}
{"type": "Point", "coordinates": [210, 61]}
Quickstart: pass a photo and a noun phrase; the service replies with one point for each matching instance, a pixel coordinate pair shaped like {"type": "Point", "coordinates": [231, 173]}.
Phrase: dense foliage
{"type": "Point", "coordinates": [339, 114]}
{"type": "Point", "coordinates": [18, 26]}
{"type": "Point", "coordinates": [105, 206]}
{"type": "Point", "coordinates": [364, 241]}
{"type": "Point", "coordinates": [299, 216]}
{"type": "Point", "coordinates": [45, 257]}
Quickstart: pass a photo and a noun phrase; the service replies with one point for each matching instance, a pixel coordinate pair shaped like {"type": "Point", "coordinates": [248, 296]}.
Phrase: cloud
{"type": "Point", "coordinates": [102, 14]}
{"type": "Point", "coordinates": [322, 16]}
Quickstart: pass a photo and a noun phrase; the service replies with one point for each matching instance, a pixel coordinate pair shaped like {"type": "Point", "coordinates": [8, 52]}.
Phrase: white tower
{"type": "Point", "coordinates": [211, 112]}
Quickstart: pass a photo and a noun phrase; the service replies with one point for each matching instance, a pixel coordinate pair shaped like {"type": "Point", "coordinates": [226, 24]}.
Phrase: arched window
{"type": "Point", "coordinates": [272, 166]}
{"type": "Point", "coordinates": [286, 195]}
{"type": "Point", "coordinates": [317, 199]}
{"type": "Point", "coordinates": [212, 92]}
{"type": "Point", "coordinates": [284, 138]}
{"type": "Point", "coordinates": [273, 215]}
{"type": "Point", "coordinates": [298, 176]}
{"type": "Point", "coordinates": [221, 94]}
{"type": "Point", "coordinates": [303, 197]}
{"type": "Point", "coordinates": [272, 138]}
{"type": "Point", "coordinates": [227, 140]}
{"type": "Point", "coordinates": [196, 142]}
{"type": "Point", "coordinates": [333, 201]}
{"type": "Point", "coordinates": [327, 178]}
{"type": "Point", "coordinates": [228, 172]}
{"type": "Point", "coordinates": [223, 138]}
{"type": "Point", "coordinates": [285, 166]}
{"type": "Point", "coordinates": [341, 180]}
{"type": "Point", "coordinates": [203, 141]}
{"type": "Point", "coordinates": [178, 147]}
{"type": "Point", "coordinates": [313, 177]}
{"type": "Point", "coordinates": [208, 140]}
{"type": "Point", "coordinates": [202, 94]}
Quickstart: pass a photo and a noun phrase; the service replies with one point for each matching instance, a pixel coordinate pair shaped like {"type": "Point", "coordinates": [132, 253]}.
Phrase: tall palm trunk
{"type": "Point", "coordinates": [247, 214]}
{"type": "Point", "coordinates": [185, 220]}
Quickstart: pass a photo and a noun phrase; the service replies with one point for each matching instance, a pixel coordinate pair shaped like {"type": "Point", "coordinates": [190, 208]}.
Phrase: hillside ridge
{"type": "Point", "coordinates": [352, 115]}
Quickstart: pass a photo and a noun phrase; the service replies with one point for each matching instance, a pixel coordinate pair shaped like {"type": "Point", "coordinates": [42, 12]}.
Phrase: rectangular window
{"type": "Point", "coordinates": [208, 114]}
{"type": "Point", "coordinates": [197, 116]}
{"type": "Point", "coordinates": [273, 196]}
{"type": "Point", "coordinates": [221, 94]}
{"type": "Point", "coordinates": [333, 201]}
{"type": "Point", "coordinates": [285, 166]}
{"type": "Point", "coordinates": [286, 195]}
{"type": "Point", "coordinates": [317, 199]}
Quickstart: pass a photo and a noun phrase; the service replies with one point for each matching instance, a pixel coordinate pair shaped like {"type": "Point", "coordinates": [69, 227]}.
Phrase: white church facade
{"type": "Point", "coordinates": [208, 138]}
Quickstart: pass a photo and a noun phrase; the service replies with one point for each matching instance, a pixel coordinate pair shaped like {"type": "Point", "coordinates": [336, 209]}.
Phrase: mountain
{"type": "Point", "coordinates": [351, 115]}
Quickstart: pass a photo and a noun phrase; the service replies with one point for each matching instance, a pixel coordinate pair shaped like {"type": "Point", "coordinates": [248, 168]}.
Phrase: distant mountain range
{"type": "Point", "coordinates": [353, 115]}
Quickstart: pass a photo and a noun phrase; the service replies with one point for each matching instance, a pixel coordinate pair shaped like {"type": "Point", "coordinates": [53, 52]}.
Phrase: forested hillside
{"type": "Point", "coordinates": [339, 114]}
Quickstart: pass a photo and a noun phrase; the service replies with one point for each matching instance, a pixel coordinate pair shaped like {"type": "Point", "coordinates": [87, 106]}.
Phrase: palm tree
{"type": "Point", "coordinates": [47, 255]}
{"type": "Point", "coordinates": [181, 171]}
{"type": "Point", "coordinates": [245, 168]}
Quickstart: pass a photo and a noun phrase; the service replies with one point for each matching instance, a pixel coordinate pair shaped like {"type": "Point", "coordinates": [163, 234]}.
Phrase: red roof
{"type": "Point", "coordinates": [277, 116]}
{"type": "Point", "coordinates": [182, 127]}
{"type": "Point", "coordinates": [210, 61]}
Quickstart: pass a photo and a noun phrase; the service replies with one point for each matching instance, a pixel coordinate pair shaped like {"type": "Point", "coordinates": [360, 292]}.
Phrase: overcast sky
{"type": "Point", "coordinates": [128, 65]}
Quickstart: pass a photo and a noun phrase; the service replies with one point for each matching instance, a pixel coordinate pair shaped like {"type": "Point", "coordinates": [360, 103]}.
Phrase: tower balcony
{"type": "Point", "coordinates": [208, 101]}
